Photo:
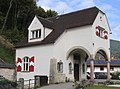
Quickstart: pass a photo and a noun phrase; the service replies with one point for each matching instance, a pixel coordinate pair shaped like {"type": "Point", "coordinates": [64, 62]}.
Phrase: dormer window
{"type": "Point", "coordinates": [36, 34]}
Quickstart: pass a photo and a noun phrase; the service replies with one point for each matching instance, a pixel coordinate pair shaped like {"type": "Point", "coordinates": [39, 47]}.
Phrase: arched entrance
{"type": "Point", "coordinates": [101, 54]}
{"type": "Point", "coordinates": [78, 56]}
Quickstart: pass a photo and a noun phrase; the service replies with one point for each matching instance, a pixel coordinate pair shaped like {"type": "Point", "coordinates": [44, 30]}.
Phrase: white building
{"type": "Point", "coordinates": [58, 47]}
{"type": "Point", "coordinates": [101, 66]}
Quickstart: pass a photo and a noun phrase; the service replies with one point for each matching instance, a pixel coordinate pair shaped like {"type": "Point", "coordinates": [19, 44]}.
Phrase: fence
{"type": "Point", "coordinates": [32, 83]}
{"type": "Point", "coordinates": [26, 84]}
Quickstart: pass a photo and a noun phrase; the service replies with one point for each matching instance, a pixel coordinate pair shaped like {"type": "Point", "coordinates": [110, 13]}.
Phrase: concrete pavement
{"type": "Point", "coordinates": [58, 86]}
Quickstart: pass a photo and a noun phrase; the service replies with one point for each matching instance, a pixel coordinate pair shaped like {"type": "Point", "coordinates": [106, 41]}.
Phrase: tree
{"type": "Point", "coordinates": [6, 16]}
{"type": "Point", "coordinates": [18, 14]}
{"type": "Point", "coordinates": [51, 13]}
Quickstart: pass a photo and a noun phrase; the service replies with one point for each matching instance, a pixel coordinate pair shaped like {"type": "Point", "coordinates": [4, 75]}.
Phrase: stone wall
{"type": "Point", "coordinates": [8, 73]}
{"type": "Point", "coordinates": [55, 77]}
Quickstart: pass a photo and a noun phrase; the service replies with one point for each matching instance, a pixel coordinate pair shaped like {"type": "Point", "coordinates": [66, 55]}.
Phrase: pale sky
{"type": "Point", "coordinates": [110, 7]}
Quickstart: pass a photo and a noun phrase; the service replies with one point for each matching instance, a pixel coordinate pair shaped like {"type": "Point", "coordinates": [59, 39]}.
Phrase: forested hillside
{"type": "Point", "coordinates": [115, 48]}
{"type": "Point", "coordinates": [15, 17]}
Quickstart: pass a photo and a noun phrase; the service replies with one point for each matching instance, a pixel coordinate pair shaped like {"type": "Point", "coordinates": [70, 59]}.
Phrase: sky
{"type": "Point", "coordinates": [110, 7]}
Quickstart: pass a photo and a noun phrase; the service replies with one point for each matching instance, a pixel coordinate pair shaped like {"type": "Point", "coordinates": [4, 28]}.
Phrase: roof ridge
{"type": "Point", "coordinates": [74, 12]}
{"type": "Point", "coordinates": [44, 19]}
{"type": "Point", "coordinates": [80, 10]}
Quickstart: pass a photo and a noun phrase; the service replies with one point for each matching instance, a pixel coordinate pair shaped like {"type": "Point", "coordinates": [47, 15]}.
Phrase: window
{"type": "Point", "coordinates": [70, 68]}
{"type": "Point", "coordinates": [101, 32]}
{"type": "Point", "coordinates": [26, 64]}
{"type": "Point", "coordinates": [36, 34]}
{"type": "Point", "coordinates": [83, 68]}
{"type": "Point", "coordinates": [60, 67]}
{"type": "Point", "coordinates": [102, 68]}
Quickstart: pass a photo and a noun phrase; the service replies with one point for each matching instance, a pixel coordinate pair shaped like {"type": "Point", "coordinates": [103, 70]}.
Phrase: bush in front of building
{"type": "Point", "coordinates": [6, 84]}
{"type": "Point", "coordinates": [116, 75]}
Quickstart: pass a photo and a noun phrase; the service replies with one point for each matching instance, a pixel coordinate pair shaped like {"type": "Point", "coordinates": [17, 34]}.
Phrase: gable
{"type": "Point", "coordinates": [35, 24]}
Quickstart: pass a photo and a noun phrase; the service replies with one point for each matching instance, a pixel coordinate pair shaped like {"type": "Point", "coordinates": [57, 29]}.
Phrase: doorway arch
{"type": "Point", "coordinates": [78, 56]}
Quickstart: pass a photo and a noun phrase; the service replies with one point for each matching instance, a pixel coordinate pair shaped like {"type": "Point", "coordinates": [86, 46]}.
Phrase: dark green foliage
{"type": "Point", "coordinates": [6, 54]}
{"type": "Point", "coordinates": [51, 13]}
{"type": "Point", "coordinates": [115, 48]}
{"type": "Point", "coordinates": [115, 75]}
{"type": "Point", "coordinates": [6, 84]}
{"type": "Point", "coordinates": [101, 87]}
{"type": "Point", "coordinates": [19, 17]}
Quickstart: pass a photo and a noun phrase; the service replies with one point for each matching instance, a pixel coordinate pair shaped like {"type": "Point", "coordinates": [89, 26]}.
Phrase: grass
{"type": "Point", "coordinates": [102, 87]}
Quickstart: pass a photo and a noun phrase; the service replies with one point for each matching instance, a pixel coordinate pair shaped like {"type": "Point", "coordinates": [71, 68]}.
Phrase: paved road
{"type": "Point", "coordinates": [58, 86]}
{"type": "Point", "coordinates": [69, 85]}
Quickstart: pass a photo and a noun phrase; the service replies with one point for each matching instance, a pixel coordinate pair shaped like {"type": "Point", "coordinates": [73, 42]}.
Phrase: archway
{"type": "Point", "coordinates": [78, 56]}
{"type": "Point", "coordinates": [101, 56]}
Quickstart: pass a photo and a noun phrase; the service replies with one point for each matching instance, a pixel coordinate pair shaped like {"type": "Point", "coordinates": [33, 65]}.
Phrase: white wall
{"type": "Point", "coordinates": [75, 37]}
{"type": "Point", "coordinates": [100, 42]}
{"type": "Point", "coordinates": [97, 69]}
{"type": "Point", "coordinates": [42, 55]}
{"type": "Point", "coordinates": [47, 31]}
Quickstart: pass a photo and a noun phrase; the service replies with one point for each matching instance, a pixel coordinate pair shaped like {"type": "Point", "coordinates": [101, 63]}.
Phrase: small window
{"type": "Point", "coordinates": [36, 34]}
{"type": "Point", "coordinates": [70, 68]}
{"type": "Point", "coordinates": [100, 31]}
{"type": "Point", "coordinates": [102, 68]}
{"type": "Point", "coordinates": [60, 67]}
{"type": "Point", "coordinates": [83, 68]}
{"type": "Point", "coordinates": [26, 64]}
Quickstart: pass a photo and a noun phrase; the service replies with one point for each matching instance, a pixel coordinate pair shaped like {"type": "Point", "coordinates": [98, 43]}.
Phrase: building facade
{"type": "Point", "coordinates": [101, 66]}
{"type": "Point", "coordinates": [58, 47]}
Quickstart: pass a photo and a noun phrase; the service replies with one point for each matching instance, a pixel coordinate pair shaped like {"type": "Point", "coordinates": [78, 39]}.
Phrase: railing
{"type": "Point", "coordinates": [39, 80]}
{"type": "Point", "coordinates": [26, 84]}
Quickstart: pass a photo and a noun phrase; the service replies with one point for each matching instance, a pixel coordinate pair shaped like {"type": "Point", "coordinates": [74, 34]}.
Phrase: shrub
{"type": "Point", "coordinates": [115, 75]}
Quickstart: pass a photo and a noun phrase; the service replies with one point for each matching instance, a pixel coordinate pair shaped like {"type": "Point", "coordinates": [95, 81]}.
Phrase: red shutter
{"type": "Point", "coordinates": [97, 31]}
{"type": "Point", "coordinates": [19, 68]}
{"type": "Point", "coordinates": [105, 32]}
{"type": "Point", "coordinates": [31, 67]}
{"type": "Point", "coordinates": [19, 62]}
{"type": "Point", "coordinates": [106, 37]}
{"type": "Point", "coordinates": [32, 59]}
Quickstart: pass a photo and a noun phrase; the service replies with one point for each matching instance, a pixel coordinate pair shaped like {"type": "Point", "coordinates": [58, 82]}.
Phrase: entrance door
{"type": "Point", "coordinates": [76, 72]}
